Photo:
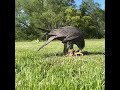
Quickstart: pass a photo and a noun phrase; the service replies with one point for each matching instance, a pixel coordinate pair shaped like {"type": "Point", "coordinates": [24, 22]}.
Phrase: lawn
{"type": "Point", "coordinates": [49, 69]}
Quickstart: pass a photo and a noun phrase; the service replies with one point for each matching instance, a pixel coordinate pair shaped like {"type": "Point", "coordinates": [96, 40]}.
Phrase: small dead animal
{"type": "Point", "coordinates": [72, 52]}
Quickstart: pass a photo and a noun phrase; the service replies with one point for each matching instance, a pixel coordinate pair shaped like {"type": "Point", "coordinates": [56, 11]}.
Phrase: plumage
{"type": "Point", "coordinates": [69, 35]}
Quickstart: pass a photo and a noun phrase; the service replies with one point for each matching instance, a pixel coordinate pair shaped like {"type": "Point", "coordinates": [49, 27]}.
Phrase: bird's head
{"type": "Point", "coordinates": [80, 43]}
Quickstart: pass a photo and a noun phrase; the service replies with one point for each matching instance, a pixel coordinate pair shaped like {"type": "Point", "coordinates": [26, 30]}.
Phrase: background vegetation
{"type": "Point", "coordinates": [49, 14]}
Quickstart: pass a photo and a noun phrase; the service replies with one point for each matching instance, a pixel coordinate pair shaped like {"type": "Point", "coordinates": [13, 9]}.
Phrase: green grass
{"type": "Point", "coordinates": [48, 69]}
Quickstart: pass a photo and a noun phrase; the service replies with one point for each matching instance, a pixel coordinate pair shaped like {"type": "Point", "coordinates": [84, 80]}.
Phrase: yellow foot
{"type": "Point", "coordinates": [79, 53]}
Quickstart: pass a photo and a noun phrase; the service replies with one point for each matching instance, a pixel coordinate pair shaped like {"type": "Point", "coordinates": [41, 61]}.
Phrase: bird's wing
{"type": "Point", "coordinates": [70, 37]}
{"type": "Point", "coordinates": [58, 32]}
{"type": "Point", "coordinates": [48, 41]}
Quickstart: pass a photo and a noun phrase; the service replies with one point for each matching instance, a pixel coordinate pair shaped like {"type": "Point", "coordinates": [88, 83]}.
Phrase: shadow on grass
{"type": "Point", "coordinates": [92, 53]}
{"type": "Point", "coordinates": [53, 54]}
{"type": "Point", "coordinates": [84, 53]}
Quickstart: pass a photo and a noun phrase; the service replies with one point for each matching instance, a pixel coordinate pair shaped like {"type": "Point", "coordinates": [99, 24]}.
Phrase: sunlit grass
{"type": "Point", "coordinates": [48, 69]}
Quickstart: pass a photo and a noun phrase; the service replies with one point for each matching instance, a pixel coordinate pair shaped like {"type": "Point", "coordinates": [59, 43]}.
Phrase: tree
{"type": "Point", "coordinates": [72, 16]}
{"type": "Point", "coordinates": [92, 20]}
{"type": "Point", "coordinates": [49, 14]}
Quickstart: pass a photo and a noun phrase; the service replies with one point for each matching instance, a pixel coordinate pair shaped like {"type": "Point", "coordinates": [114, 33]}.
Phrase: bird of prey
{"type": "Point", "coordinates": [69, 36]}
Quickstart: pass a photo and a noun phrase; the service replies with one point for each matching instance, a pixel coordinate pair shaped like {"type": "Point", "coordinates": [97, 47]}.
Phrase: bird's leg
{"type": "Point", "coordinates": [72, 51]}
{"type": "Point", "coordinates": [65, 51]}
{"type": "Point", "coordinates": [68, 45]}
{"type": "Point", "coordinates": [71, 45]}
{"type": "Point", "coordinates": [70, 48]}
